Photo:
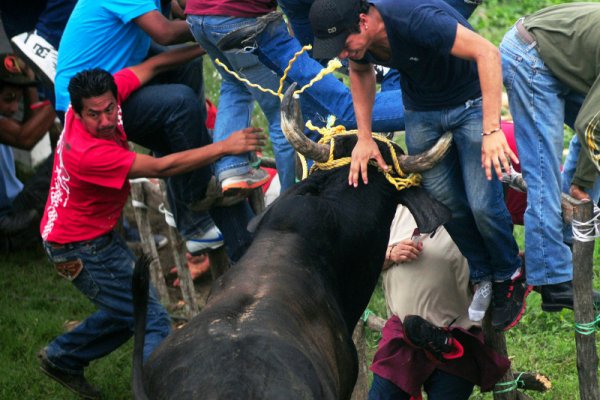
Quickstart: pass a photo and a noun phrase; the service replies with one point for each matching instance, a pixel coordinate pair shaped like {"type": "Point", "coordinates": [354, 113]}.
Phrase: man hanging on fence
{"type": "Point", "coordinates": [88, 191]}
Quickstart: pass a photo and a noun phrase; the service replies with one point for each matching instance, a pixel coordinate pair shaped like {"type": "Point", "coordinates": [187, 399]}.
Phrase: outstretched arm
{"type": "Point", "coordinates": [241, 141]}
{"type": "Point", "coordinates": [494, 149]}
{"type": "Point", "coordinates": [165, 61]}
{"type": "Point", "coordinates": [362, 85]}
{"type": "Point", "coordinates": [162, 30]}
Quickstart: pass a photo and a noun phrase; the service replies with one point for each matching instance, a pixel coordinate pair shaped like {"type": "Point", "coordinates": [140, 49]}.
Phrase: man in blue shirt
{"type": "Point", "coordinates": [451, 81]}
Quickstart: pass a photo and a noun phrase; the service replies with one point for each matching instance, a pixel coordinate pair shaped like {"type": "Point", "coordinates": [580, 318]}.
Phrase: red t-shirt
{"type": "Point", "coordinates": [230, 8]}
{"type": "Point", "coordinates": [89, 185]}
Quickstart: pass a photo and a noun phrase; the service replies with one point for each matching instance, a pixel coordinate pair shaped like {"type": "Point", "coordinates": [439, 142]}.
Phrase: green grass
{"type": "Point", "coordinates": [36, 302]}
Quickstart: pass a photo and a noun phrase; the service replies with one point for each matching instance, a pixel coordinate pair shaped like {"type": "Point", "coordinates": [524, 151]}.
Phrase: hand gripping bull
{"type": "Point", "coordinates": [278, 324]}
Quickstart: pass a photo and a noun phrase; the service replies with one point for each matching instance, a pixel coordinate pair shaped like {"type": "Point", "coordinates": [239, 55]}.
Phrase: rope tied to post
{"type": "Point", "coordinates": [510, 385]}
{"type": "Point", "coordinates": [587, 231]}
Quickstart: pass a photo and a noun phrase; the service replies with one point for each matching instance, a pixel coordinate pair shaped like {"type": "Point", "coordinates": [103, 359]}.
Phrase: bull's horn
{"type": "Point", "coordinates": [427, 159]}
{"type": "Point", "coordinates": [291, 125]}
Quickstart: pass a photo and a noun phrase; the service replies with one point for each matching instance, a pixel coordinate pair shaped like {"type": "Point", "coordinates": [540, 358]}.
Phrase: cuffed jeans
{"type": "Point", "coordinates": [480, 226]}
{"type": "Point", "coordinates": [439, 386]}
{"type": "Point", "coordinates": [236, 99]}
{"type": "Point", "coordinates": [539, 104]}
{"type": "Point", "coordinates": [106, 281]}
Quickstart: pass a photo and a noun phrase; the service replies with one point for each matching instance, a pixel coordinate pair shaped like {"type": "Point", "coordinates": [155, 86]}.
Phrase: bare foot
{"type": "Point", "coordinates": [577, 193]}
{"type": "Point", "coordinates": [198, 265]}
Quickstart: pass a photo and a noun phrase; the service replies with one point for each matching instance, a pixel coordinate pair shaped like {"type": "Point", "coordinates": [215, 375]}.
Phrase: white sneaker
{"type": "Point", "coordinates": [481, 300]}
{"type": "Point", "coordinates": [210, 240]}
{"type": "Point", "coordinates": [40, 55]}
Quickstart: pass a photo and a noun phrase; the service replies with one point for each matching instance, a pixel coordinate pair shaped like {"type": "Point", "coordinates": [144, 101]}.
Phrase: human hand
{"type": "Point", "coordinates": [366, 149]}
{"type": "Point", "coordinates": [403, 251]}
{"type": "Point", "coordinates": [244, 140]}
{"type": "Point", "coordinates": [494, 152]}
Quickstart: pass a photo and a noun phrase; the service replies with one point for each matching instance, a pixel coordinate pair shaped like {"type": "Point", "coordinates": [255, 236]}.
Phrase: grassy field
{"type": "Point", "coordinates": [35, 302]}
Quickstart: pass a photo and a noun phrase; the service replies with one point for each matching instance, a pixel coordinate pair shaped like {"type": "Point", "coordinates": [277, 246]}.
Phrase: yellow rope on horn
{"type": "Point", "coordinates": [394, 175]}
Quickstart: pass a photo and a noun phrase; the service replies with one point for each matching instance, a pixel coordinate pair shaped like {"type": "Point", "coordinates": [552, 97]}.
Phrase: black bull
{"type": "Point", "coordinates": [278, 324]}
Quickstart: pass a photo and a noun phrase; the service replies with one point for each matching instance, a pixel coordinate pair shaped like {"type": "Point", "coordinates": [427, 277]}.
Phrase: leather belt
{"type": "Point", "coordinates": [524, 34]}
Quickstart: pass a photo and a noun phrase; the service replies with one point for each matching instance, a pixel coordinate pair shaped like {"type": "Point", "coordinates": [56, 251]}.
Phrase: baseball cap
{"type": "Point", "coordinates": [332, 21]}
{"type": "Point", "coordinates": [12, 71]}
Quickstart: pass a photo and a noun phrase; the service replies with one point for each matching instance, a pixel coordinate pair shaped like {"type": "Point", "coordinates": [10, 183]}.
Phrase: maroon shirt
{"type": "Point", "coordinates": [408, 367]}
{"type": "Point", "coordinates": [230, 8]}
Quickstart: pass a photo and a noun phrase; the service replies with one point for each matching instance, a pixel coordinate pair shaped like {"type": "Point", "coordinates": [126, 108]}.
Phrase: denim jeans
{"type": "Point", "coordinates": [106, 281]}
{"type": "Point", "coordinates": [439, 386]}
{"type": "Point", "coordinates": [538, 103]}
{"type": "Point", "coordinates": [237, 99]}
{"type": "Point", "coordinates": [167, 118]}
{"type": "Point", "coordinates": [480, 226]}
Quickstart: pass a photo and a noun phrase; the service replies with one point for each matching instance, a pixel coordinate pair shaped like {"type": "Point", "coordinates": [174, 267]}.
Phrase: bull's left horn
{"type": "Point", "coordinates": [427, 159]}
{"type": "Point", "coordinates": [291, 125]}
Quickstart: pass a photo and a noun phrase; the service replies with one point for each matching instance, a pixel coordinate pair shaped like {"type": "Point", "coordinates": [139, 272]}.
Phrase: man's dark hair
{"type": "Point", "coordinates": [363, 8]}
{"type": "Point", "coordinates": [90, 83]}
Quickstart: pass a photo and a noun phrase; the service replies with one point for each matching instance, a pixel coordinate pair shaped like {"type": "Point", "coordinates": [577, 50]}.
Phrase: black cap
{"type": "Point", "coordinates": [332, 21]}
{"type": "Point", "coordinates": [12, 71]}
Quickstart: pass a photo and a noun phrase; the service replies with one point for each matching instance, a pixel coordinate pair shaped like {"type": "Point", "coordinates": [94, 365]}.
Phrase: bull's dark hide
{"type": "Point", "coordinates": [278, 324]}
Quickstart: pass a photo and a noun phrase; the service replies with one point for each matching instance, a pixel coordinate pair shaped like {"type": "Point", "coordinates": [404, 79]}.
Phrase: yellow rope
{"type": "Point", "coordinates": [395, 175]}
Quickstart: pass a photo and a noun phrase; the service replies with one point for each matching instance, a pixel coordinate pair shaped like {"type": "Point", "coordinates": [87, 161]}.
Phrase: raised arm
{"type": "Point", "coordinates": [362, 84]}
{"type": "Point", "coordinates": [494, 149]}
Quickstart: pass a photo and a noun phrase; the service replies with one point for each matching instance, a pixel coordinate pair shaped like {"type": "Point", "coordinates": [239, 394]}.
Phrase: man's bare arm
{"type": "Point", "coordinates": [162, 30]}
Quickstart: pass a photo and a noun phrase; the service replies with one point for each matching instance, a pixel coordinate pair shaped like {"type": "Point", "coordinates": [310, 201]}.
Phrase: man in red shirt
{"type": "Point", "coordinates": [88, 191]}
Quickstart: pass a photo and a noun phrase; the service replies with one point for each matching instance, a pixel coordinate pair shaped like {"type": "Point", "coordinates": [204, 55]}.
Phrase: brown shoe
{"type": "Point", "coordinates": [74, 382]}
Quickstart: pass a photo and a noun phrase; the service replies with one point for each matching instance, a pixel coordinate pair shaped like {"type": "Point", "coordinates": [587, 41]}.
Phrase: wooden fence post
{"type": "Point", "coordinates": [361, 388]}
{"type": "Point", "coordinates": [583, 254]}
{"type": "Point", "coordinates": [186, 284]}
{"type": "Point", "coordinates": [148, 245]}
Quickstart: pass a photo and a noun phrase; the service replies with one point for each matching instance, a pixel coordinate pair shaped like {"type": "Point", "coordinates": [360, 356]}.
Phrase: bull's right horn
{"type": "Point", "coordinates": [427, 159]}
{"type": "Point", "coordinates": [291, 125]}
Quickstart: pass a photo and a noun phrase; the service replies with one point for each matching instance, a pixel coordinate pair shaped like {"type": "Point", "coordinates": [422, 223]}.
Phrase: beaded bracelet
{"type": "Point", "coordinates": [490, 132]}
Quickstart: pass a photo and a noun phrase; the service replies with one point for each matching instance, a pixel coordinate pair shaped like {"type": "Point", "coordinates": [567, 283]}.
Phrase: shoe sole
{"type": "Point", "coordinates": [555, 308]}
{"type": "Point", "coordinates": [37, 70]}
{"type": "Point", "coordinates": [521, 311]}
{"type": "Point", "coordinates": [53, 377]}
{"type": "Point", "coordinates": [239, 187]}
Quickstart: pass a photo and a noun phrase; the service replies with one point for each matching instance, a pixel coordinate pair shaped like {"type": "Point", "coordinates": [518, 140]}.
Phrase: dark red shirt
{"type": "Point", "coordinates": [230, 8]}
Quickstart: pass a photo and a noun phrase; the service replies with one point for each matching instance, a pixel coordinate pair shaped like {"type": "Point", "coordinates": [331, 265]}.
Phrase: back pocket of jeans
{"type": "Point", "coordinates": [86, 284]}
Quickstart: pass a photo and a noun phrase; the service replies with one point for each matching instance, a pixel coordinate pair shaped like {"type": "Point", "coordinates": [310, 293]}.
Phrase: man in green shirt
{"type": "Point", "coordinates": [551, 73]}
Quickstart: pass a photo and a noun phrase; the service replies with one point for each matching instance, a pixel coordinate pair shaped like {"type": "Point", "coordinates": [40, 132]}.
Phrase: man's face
{"type": "Point", "coordinates": [9, 100]}
{"type": "Point", "coordinates": [355, 47]}
{"type": "Point", "coordinates": [100, 115]}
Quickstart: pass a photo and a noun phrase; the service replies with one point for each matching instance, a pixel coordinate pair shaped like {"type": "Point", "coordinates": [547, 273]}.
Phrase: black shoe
{"type": "Point", "coordinates": [557, 296]}
{"type": "Point", "coordinates": [422, 334]}
{"type": "Point", "coordinates": [242, 37]}
{"type": "Point", "coordinates": [508, 301]}
{"type": "Point", "coordinates": [15, 222]}
{"type": "Point", "coordinates": [74, 382]}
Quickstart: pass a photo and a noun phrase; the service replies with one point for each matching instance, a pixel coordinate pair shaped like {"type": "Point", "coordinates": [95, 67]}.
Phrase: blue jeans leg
{"type": "Point", "coordinates": [480, 225]}
{"type": "Point", "coordinates": [383, 389]}
{"type": "Point", "coordinates": [537, 104]}
{"type": "Point", "coordinates": [167, 119]}
{"type": "Point", "coordinates": [328, 96]}
{"type": "Point", "coordinates": [444, 386]}
{"type": "Point", "coordinates": [236, 98]}
{"type": "Point", "coordinates": [106, 281]}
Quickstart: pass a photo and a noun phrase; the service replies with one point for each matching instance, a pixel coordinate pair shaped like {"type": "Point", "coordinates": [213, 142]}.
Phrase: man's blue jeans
{"type": "Point", "coordinates": [480, 226]}
{"type": "Point", "coordinates": [106, 281]}
{"type": "Point", "coordinates": [236, 99]}
{"type": "Point", "coordinates": [439, 386]}
{"type": "Point", "coordinates": [539, 104]}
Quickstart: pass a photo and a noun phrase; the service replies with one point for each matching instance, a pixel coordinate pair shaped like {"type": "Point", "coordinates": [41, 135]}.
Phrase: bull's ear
{"type": "Point", "coordinates": [428, 212]}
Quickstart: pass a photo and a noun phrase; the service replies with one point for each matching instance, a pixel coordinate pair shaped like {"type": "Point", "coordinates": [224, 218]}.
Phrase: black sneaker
{"type": "Point", "coordinates": [422, 334]}
{"type": "Point", "coordinates": [244, 36]}
{"type": "Point", "coordinates": [508, 301]}
{"type": "Point", "coordinates": [557, 296]}
{"type": "Point", "coordinates": [74, 382]}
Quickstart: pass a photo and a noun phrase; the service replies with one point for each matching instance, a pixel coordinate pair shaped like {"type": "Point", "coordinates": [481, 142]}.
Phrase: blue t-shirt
{"type": "Point", "coordinates": [101, 33]}
{"type": "Point", "coordinates": [421, 34]}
